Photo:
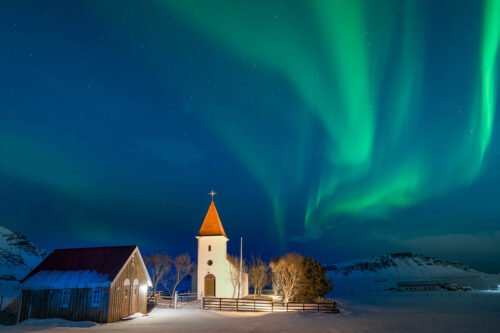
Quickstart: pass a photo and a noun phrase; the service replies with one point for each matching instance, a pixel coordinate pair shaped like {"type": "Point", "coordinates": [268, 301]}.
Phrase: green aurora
{"type": "Point", "coordinates": [336, 54]}
{"type": "Point", "coordinates": [335, 128]}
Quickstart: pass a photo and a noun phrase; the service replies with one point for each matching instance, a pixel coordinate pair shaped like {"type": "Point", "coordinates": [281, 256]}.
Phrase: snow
{"type": "Point", "coordinates": [18, 256]}
{"type": "Point", "coordinates": [403, 265]}
{"type": "Point", "coordinates": [381, 312]}
{"type": "Point", "coordinates": [384, 272]}
{"type": "Point", "coordinates": [66, 280]}
{"type": "Point", "coordinates": [135, 316]}
{"type": "Point", "coordinates": [55, 322]}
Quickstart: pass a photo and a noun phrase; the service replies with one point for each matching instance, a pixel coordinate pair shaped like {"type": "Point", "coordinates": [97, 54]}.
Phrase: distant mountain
{"type": "Point", "coordinates": [399, 265]}
{"type": "Point", "coordinates": [384, 272]}
{"type": "Point", "coordinates": [18, 256]}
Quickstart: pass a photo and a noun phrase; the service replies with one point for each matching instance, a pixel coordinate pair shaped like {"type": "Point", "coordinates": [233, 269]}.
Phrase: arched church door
{"type": "Point", "coordinates": [209, 285]}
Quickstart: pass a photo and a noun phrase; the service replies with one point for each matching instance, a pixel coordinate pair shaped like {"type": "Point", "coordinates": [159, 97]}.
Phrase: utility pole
{"type": "Point", "coordinates": [241, 266]}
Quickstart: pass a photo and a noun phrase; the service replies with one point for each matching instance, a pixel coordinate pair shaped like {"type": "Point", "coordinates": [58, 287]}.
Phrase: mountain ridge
{"type": "Point", "coordinates": [18, 255]}
{"type": "Point", "coordinates": [383, 272]}
{"type": "Point", "coordinates": [401, 263]}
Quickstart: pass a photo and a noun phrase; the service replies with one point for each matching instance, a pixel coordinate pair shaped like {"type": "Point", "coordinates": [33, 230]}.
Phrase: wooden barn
{"type": "Point", "coordinates": [102, 284]}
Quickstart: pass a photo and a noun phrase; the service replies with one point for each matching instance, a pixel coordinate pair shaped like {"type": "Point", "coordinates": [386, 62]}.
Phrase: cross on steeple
{"type": "Point", "coordinates": [212, 194]}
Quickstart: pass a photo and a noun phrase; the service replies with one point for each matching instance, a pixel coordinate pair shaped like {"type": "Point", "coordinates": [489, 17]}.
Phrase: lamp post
{"type": "Point", "coordinates": [241, 267]}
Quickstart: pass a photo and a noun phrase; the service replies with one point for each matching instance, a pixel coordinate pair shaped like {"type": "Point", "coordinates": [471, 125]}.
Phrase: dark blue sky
{"type": "Point", "coordinates": [338, 129]}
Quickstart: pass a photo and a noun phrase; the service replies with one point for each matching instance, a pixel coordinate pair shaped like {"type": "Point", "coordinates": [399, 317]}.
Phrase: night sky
{"type": "Point", "coordinates": [340, 129]}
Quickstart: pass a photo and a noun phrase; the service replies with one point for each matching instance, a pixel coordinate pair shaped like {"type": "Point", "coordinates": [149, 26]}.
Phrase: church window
{"type": "Point", "coordinates": [210, 248]}
{"type": "Point", "coordinates": [210, 262]}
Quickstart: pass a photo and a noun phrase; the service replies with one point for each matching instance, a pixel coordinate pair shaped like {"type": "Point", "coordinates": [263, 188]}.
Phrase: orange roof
{"type": "Point", "coordinates": [212, 226]}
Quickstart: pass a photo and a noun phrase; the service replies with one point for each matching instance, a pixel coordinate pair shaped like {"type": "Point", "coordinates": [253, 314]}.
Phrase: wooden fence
{"type": "Point", "coordinates": [162, 300]}
{"type": "Point", "coordinates": [259, 305]}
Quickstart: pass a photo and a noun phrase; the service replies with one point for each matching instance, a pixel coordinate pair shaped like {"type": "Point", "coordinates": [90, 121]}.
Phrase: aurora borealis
{"type": "Point", "coordinates": [336, 128]}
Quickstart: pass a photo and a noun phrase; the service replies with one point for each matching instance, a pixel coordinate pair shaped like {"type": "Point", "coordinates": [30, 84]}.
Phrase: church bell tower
{"type": "Point", "coordinates": [212, 255]}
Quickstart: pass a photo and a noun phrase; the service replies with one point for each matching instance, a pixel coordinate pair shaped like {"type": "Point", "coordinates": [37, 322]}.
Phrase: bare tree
{"type": "Point", "coordinates": [183, 267]}
{"type": "Point", "coordinates": [234, 272]}
{"type": "Point", "coordinates": [288, 275]}
{"type": "Point", "coordinates": [258, 275]}
{"type": "Point", "coordinates": [159, 265]}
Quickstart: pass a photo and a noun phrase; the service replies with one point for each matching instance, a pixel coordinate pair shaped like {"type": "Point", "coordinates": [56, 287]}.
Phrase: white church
{"type": "Point", "coordinates": [215, 275]}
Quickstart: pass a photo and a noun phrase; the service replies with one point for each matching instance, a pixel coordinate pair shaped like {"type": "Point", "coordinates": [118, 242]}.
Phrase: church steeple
{"type": "Point", "coordinates": [212, 225]}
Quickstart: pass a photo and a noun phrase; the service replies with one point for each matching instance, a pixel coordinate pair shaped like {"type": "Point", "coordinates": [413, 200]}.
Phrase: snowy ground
{"type": "Point", "coordinates": [391, 312]}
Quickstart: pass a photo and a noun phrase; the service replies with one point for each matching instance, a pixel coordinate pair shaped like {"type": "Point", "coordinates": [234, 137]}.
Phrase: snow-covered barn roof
{"type": "Point", "coordinates": [80, 268]}
{"type": "Point", "coordinates": [66, 280]}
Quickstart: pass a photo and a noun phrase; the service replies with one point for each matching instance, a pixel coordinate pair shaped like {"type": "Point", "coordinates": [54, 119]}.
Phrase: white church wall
{"type": "Point", "coordinates": [217, 254]}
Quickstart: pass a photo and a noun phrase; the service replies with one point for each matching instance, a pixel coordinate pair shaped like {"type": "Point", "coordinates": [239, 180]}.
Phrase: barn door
{"type": "Point", "coordinates": [126, 298]}
{"type": "Point", "coordinates": [135, 297]}
{"type": "Point", "coordinates": [209, 285]}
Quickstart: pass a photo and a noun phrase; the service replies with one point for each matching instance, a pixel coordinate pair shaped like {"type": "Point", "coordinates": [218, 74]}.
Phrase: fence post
{"type": "Point", "coordinates": [220, 304]}
{"type": "Point", "coordinates": [254, 305]}
{"type": "Point", "coordinates": [286, 306]}
{"type": "Point", "coordinates": [175, 300]}
{"type": "Point", "coordinates": [272, 306]}
{"type": "Point", "coordinates": [318, 307]}
{"type": "Point", "coordinates": [237, 308]}
{"type": "Point", "coordinates": [303, 307]}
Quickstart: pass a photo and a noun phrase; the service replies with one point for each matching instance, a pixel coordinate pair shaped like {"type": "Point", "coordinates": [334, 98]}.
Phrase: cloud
{"type": "Point", "coordinates": [310, 234]}
{"type": "Point", "coordinates": [464, 245]}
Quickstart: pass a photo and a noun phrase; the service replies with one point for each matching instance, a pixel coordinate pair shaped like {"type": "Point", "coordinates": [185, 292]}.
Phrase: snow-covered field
{"type": "Point", "coordinates": [391, 312]}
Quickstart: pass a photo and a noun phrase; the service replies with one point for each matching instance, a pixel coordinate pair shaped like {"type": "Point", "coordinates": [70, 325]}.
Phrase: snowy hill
{"type": "Point", "coordinates": [17, 255]}
{"type": "Point", "coordinates": [384, 272]}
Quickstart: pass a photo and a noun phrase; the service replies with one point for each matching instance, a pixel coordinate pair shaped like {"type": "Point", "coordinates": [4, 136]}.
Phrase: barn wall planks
{"type": "Point", "coordinates": [128, 299]}
{"type": "Point", "coordinates": [47, 304]}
